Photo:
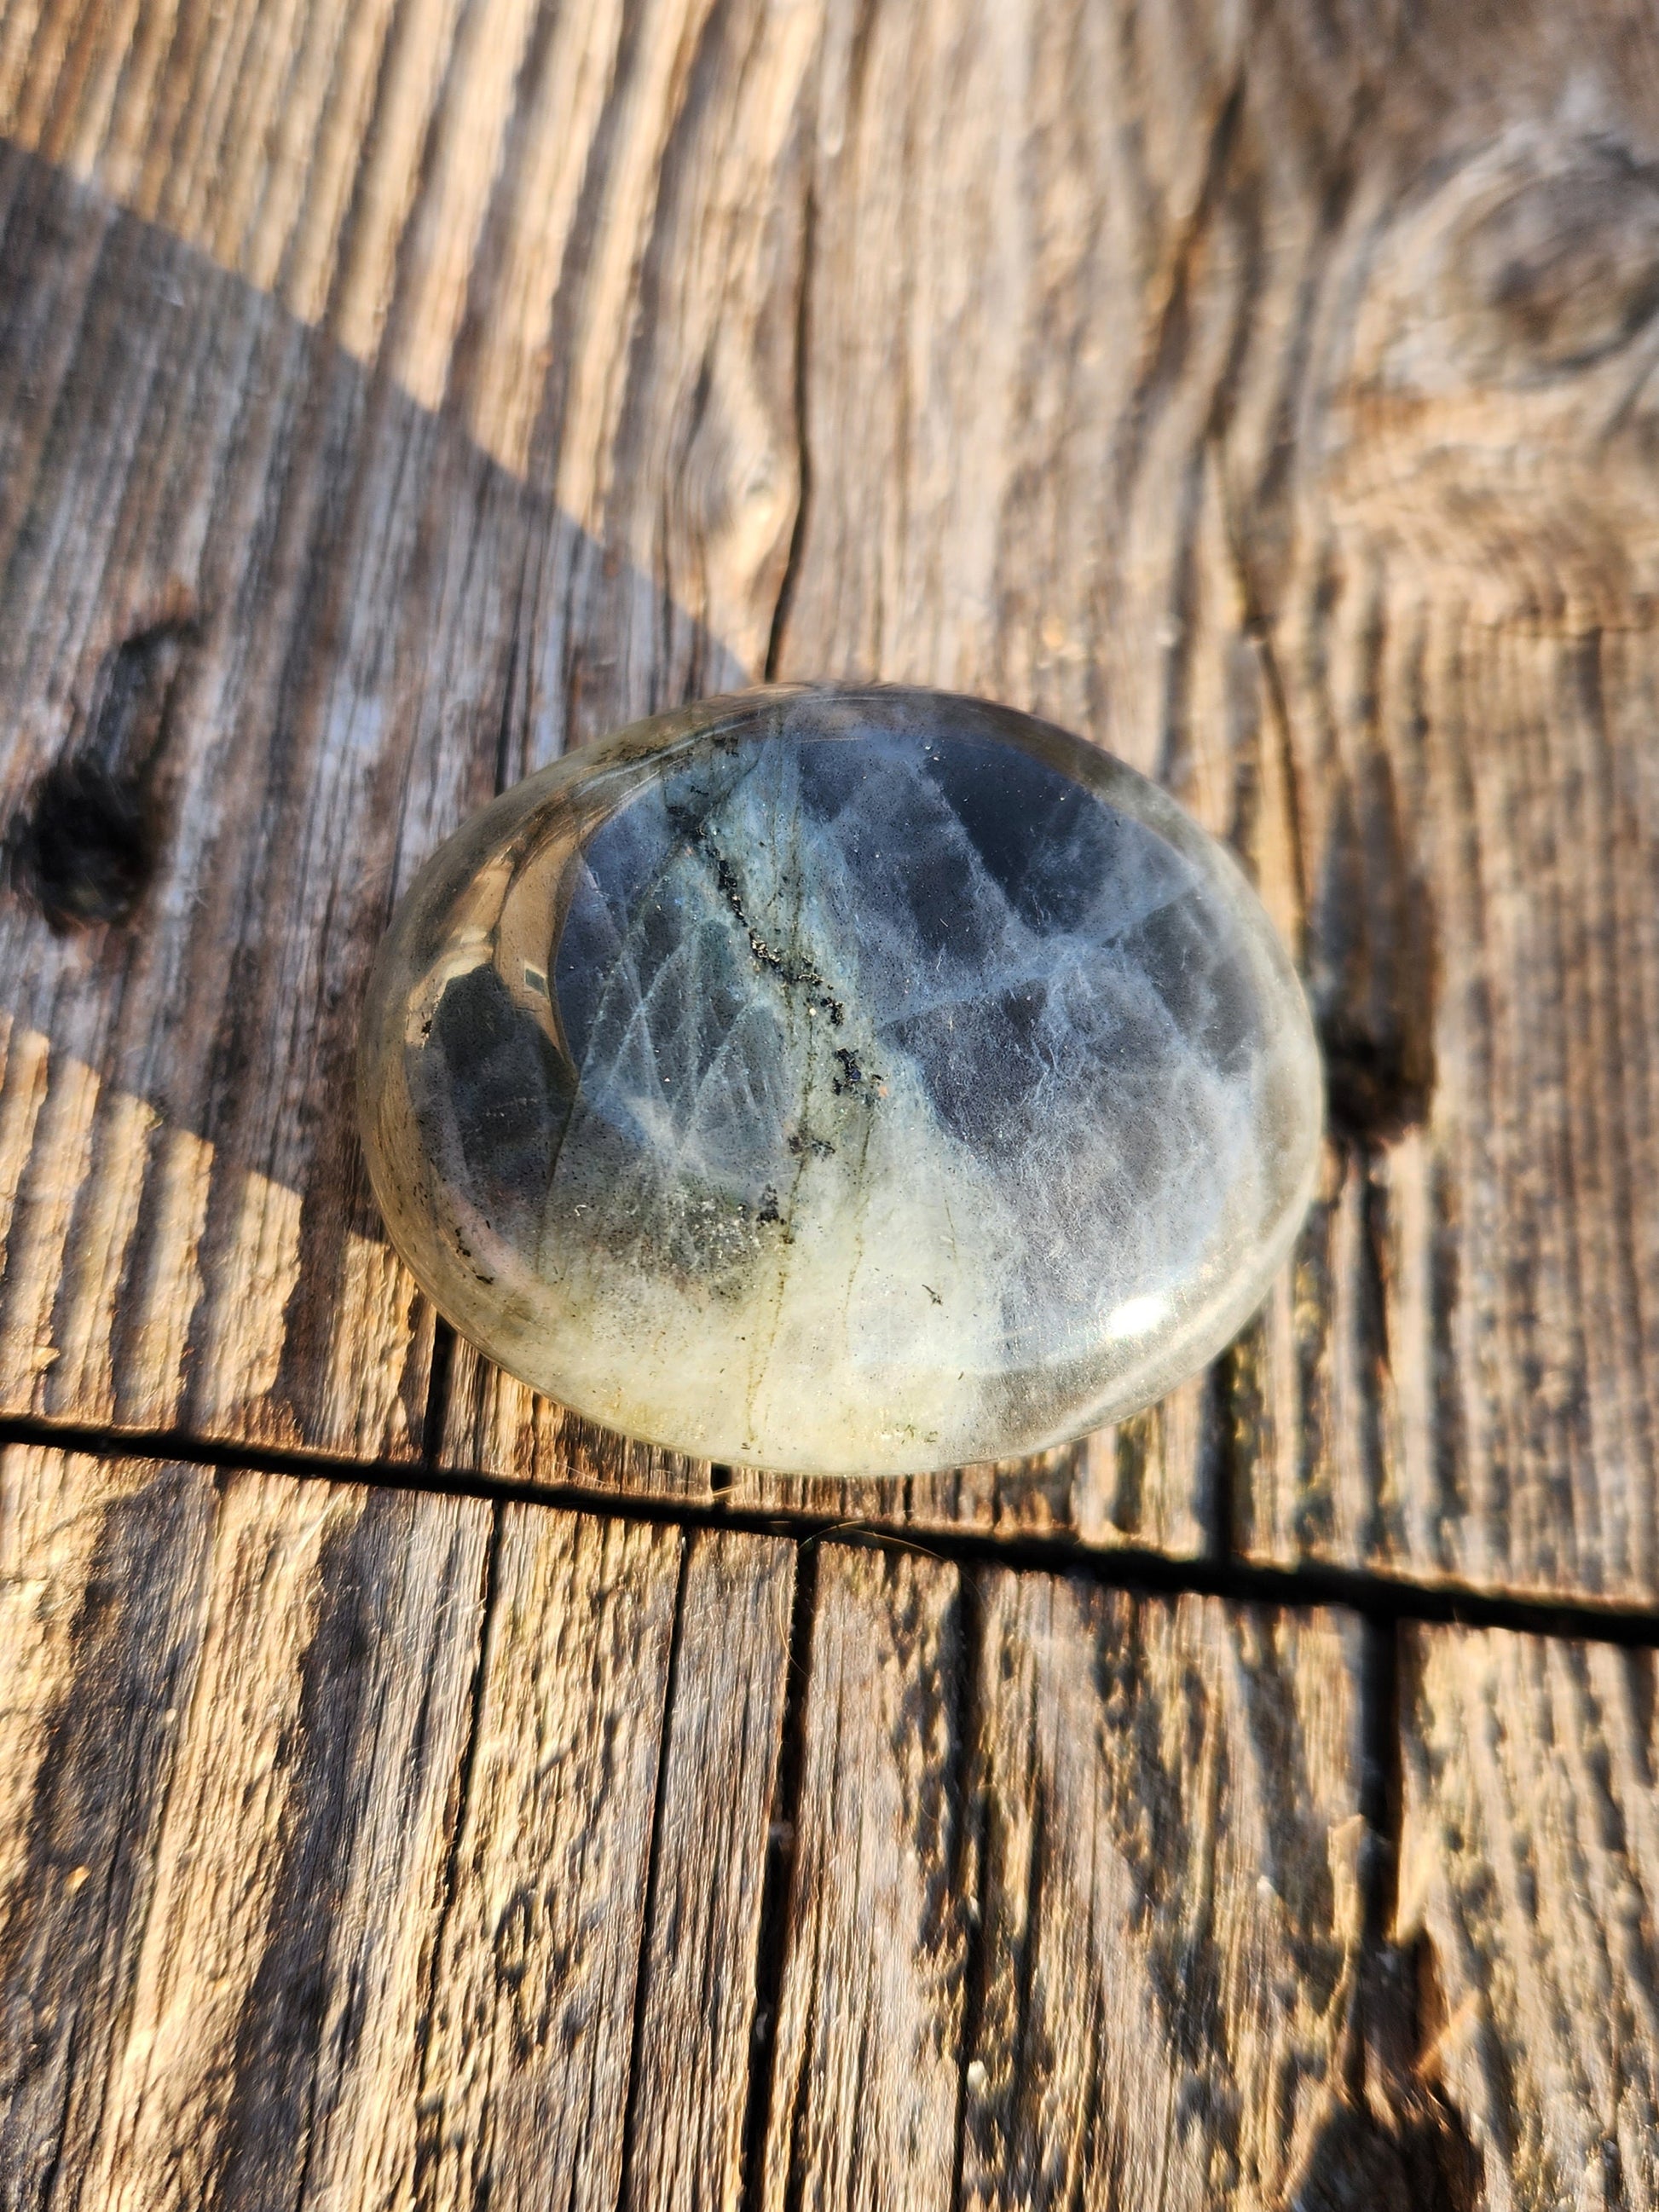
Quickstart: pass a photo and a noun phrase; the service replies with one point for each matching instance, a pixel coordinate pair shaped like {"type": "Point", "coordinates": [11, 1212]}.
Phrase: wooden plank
{"type": "Point", "coordinates": [1219, 411]}
{"type": "Point", "coordinates": [339, 1828]}
{"type": "Point", "coordinates": [867, 2063]}
{"type": "Point", "coordinates": [1475, 1299]}
{"type": "Point", "coordinates": [1464, 1383]}
{"type": "Point", "coordinates": [1076, 1914]}
{"type": "Point", "coordinates": [102, 1577]}
{"type": "Point", "coordinates": [524, 2064]}
{"type": "Point", "coordinates": [219, 475]}
{"type": "Point", "coordinates": [695, 2017]}
{"type": "Point", "coordinates": [337, 618]}
{"type": "Point", "coordinates": [967, 392]}
{"type": "Point", "coordinates": [1172, 1917]}
{"type": "Point", "coordinates": [288, 1938]}
{"type": "Point", "coordinates": [235, 1718]}
{"type": "Point", "coordinates": [963, 394]}
{"type": "Point", "coordinates": [1223, 413]}
{"type": "Point", "coordinates": [1530, 1865]}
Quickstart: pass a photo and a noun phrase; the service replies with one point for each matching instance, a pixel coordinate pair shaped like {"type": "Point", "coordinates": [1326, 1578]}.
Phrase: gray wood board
{"type": "Point", "coordinates": [371, 1847]}
{"type": "Point", "coordinates": [1529, 1861]}
{"type": "Point", "coordinates": [1248, 409]}
{"type": "Point", "coordinates": [344, 1830]}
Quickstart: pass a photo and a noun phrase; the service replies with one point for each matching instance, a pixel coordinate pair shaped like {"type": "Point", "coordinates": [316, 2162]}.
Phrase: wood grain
{"type": "Point", "coordinates": [340, 621]}
{"type": "Point", "coordinates": [865, 2064]}
{"type": "Point", "coordinates": [527, 2050]}
{"type": "Point", "coordinates": [1274, 416]}
{"type": "Point", "coordinates": [340, 1831]}
{"type": "Point", "coordinates": [101, 1572]}
{"type": "Point", "coordinates": [1274, 413]}
{"type": "Point", "coordinates": [284, 1948]}
{"type": "Point", "coordinates": [1529, 1864]}
{"type": "Point", "coordinates": [695, 2018]}
{"type": "Point", "coordinates": [235, 1718]}
{"type": "Point", "coordinates": [1172, 1913]}
{"type": "Point", "coordinates": [1076, 1912]}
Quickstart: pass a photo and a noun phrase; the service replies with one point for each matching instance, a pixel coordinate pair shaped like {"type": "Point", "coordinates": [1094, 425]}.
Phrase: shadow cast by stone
{"type": "Point", "coordinates": [274, 630]}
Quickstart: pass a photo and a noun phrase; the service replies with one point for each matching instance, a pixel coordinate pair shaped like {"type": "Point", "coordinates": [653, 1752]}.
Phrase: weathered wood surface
{"type": "Point", "coordinates": [1529, 1870]}
{"type": "Point", "coordinates": [1173, 1916]}
{"type": "Point", "coordinates": [372, 1848]}
{"type": "Point", "coordinates": [1076, 1917]}
{"type": "Point", "coordinates": [344, 1830]}
{"type": "Point", "coordinates": [392, 395]}
{"type": "Point", "coordinates": [1266, 397]}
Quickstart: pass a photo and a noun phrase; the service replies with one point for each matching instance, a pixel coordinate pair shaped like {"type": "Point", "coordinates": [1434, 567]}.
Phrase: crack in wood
{"type": "Point", "coordinates": [771, 1950]}
{"type": "Point", "coordinates": [652, 1874]}
{"type": "Point", "coordinates": [1309, 1586]}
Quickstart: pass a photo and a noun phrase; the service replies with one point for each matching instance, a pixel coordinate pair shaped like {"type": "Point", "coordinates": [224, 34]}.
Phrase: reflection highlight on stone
{"type": "Point", "coordinates": [840, 1080]}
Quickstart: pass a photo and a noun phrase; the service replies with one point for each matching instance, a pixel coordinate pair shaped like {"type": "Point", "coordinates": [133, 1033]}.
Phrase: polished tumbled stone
{"type": "Point", "coordinates": [842, 1081]}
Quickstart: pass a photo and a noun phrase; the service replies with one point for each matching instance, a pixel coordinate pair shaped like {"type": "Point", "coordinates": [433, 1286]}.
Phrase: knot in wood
{"type": "Point", "coordinates": [1563, 270]}
{"type": "Point", "coordinates": [1494, 414]}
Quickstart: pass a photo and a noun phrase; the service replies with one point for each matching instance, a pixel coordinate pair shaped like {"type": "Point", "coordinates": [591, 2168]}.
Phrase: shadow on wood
{"type": "Point", "coordinates": [379, 625]}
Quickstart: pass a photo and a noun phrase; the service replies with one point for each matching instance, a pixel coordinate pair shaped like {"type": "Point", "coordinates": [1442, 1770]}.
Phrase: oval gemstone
{"type": "Point", "coordinates": [840, 1081]}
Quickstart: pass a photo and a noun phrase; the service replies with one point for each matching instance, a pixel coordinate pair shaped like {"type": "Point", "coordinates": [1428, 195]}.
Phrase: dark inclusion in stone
{"type": "Point", "coordinates": [843, 1081]}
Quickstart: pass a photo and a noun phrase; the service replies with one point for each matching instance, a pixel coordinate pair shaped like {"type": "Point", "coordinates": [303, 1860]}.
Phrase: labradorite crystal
{"type": "Point", "coordinates": [842, 1081]}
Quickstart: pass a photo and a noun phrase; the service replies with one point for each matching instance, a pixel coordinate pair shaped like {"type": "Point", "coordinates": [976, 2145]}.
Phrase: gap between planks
{"type": "Point", "coordinates": [1383, 1600]}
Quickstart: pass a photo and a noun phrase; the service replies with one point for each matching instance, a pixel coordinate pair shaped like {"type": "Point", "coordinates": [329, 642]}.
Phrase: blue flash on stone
{"type": "Point", "coordinates": [843, 1081]}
